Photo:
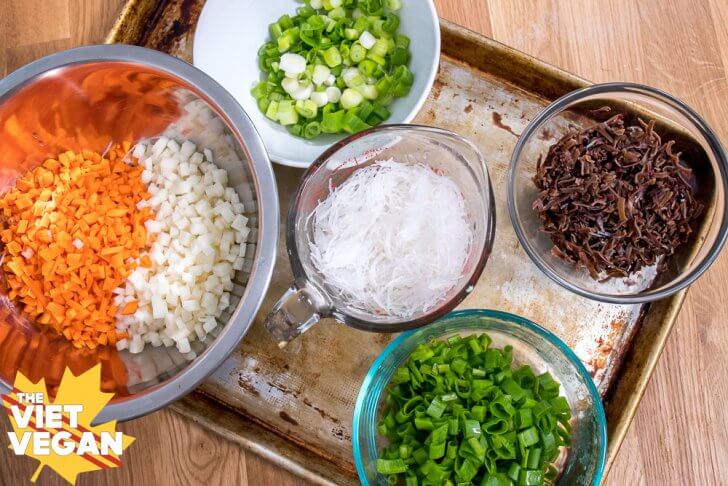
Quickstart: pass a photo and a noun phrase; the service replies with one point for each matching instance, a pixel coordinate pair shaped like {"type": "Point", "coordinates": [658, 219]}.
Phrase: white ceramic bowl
{"type": "Point", "coordinates": [230, 32]}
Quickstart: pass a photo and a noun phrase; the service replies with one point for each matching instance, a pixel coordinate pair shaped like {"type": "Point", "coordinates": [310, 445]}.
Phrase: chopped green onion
{"type": "Point", "coordinates": [528, 437]}
{"type": "Point", "coordinates": [439, 434]}
{"type": "Point", "coordinates": [436, 408]}
{"type": "Point", "coordinates": [513, 471]}
{"type": "Point", "coordinates": [541, 408]}
{"type": "Point", "coordinates": [368, 91]}
{"type": "Point", "coordinates": [534, 458]}
{"type": "Point", "coordinates": [373, 56]}
{"type": "Point", "coordinates": [549, 442]}
{"type": "Point", "coordinates": [391, 23]}
{"type": "Point", "coordinates": [467, 471]}
{"type": "Point", "coordinates": [474, 444]}
{"type": "Point", "coordinates": [391, 466]}
{"type": "Point", "coordinates": [524, 418]}
{"type": "Point", "coordinates": [422, 353]}
{"type": "Point", "coordinates": [352, 77]}
{"type": "Point", "coordinates": [402, 375]}
{"type": "Point", "coordinates": [335, 44]}
{"type": "Point", "coordinates": [420, 455]}
{"type": "Point", "coordinates": [351, 98]}
{"type": "Point", "coordinates": [478, 412]}
{"type": "Point", "coordinates": [361, 24]}
{"type": "Point", "coordinates": [422, 423]}
{"type": "Point", "coordinates": [471, 428]}
{"type": "Point", "coordinates": [380, 48]}
{"type": "Point", "coordinates": [351, 34]}
{"type": "Point", "coordinates": [307, 108]}
{"type": "Point", "coordinates": [354, 124]}
{"type": "Point", "coordinates": [275, 30]}
{"type": "Point", "coordinates": [496, 480]}
{"type": "Point", "coordinates": [286, 22]}
{"type": "Point", "coordinates": [513, 389]}
{"type": "Point", "coordinates": [459, 366]}
{"type": "Point", "coordinates": [333, 123]}
{"type": "Point", "coordinates": [287, 115]}
{"type": "Point", "coordinates": [437, 450]}
{"type": "Point", "coordinates": [357, 53]}
{"type": "Point", "coordinates": [459, 411]}
{"type": "Point", "coordinates": [529, 477]}
{"type": "Point", "coordinates": [272, 111]}
{"type": "Point", "coordinates": [312, 130]}
{"type": "Point", "coordinates": [405, 451]}
{"type": "Point", "coordinates": [402, 41]}
{"type": "Point", "coordinates": [393, 5]}
{"type": "Point", "coordinates": [332, 56]}
{"type": "Point", "coordinates": [370, 7]}
{"type": "Point", "coordinates": [560, 405]}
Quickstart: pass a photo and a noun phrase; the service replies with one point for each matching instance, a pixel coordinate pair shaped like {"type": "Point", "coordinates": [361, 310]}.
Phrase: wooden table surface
{"type": "Point", "coordinates": [680, 432]}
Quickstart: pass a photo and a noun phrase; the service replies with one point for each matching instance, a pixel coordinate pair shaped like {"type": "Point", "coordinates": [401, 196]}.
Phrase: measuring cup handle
{"type": "Point", "coordinates": [296, 311]}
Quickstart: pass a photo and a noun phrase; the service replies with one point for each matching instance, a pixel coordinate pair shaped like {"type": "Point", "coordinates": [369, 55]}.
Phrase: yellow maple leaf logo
{"type": "Point", "coordinates": [90, 445]}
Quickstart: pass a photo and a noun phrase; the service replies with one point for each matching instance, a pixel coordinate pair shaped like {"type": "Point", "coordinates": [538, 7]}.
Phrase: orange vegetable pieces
{"type": "Point", "coordinates": [73, 233]}
{"type": "Point", "coordinates": [130, 308]}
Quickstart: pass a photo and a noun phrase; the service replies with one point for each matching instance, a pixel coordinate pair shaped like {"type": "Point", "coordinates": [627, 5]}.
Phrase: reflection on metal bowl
{"type": "Point", "coordinates": [87, 98]}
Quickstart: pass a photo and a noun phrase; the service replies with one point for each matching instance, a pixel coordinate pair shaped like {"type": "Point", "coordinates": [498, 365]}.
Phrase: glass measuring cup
{"type": "Point", "coordinates": [309, 299]}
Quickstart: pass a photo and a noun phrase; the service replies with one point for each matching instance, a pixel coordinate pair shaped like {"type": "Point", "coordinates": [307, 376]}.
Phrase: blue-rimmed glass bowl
{"type": "Point", "coordinates": [582, 463]}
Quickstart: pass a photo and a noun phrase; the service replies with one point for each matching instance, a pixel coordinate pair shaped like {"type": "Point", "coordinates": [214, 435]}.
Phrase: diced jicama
{"type": "Point", "coordinates": [197, 231]}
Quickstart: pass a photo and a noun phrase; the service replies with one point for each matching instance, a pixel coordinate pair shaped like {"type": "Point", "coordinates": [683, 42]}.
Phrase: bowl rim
{"type": "Point", "coordinates": [488, 314]}
{"type": "Point", "coordinates": [300, 274]}
{"type": "Point", "coordinates": [621, 87]}
{"type": "Point", "coordinates": [411, 114]}
{"type": "Point", "coordinates": [173, 388]}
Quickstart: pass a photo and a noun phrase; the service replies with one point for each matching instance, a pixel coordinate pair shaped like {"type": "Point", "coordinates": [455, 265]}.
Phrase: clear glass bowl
{"type": "Point", "coordinates": [310, 298]}
{"type": "Point", "coordinates": [674, 120]}
{"type": "Point", "coordinates": [583, 462]}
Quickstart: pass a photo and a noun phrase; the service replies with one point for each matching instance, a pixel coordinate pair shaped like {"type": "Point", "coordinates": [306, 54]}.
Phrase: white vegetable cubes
{"type": "Point", "coordinates": [199, 242]}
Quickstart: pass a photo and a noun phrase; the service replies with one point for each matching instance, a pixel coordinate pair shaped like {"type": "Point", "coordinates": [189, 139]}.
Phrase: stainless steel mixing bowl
{"type": "Point", "coordinates": [87, 98]}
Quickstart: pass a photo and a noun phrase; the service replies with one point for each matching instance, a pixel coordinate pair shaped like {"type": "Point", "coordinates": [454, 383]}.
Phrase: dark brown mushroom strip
{"type": "Point", "coordinates": [615, 198]}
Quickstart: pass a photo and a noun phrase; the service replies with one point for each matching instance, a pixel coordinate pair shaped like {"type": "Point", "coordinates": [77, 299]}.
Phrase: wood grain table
{"type": "Point", "coordinates": [680, 433]}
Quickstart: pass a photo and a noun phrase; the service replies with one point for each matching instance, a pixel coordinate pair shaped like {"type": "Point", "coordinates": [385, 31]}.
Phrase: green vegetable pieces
{"type": "Point", "coordinates": [458, 411]}
{"type": "Point", "coordinates": [334, 67]}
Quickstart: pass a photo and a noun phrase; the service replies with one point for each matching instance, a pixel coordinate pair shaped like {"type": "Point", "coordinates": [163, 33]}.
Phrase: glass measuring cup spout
{"type": "Point", "coordinates": [298, 309]}
{"type": "Point", "coordinates": [309, 299]}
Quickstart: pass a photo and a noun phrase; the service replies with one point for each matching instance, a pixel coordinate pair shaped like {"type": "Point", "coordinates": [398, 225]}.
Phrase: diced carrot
{"type": "Point", "coordinates": [74, 260]}
{"type": "Point", "coordinates": [130, 308]}
{"type": "Point", "coordinates": [146, 262]}
{"type": "Point", "coordinates": [56, 311]}
{"type": "Point", "coordinates": [23, 202]}
{"type": "Point", "coordinates": [14, 248]}
{"type": "Point", "coordinates": [24, 184]}
{"type": "Point", "coordinates": [111, 250]}
{"type": "Point", "coordinates": [117, 213]}
{"type": "Point", "coordinates": [95, 201]}
{"type": "Point", "coordinates": [44, 236]}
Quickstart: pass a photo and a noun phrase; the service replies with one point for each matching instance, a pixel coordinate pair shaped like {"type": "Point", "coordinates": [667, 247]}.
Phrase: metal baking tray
{"type": "Point", "coordinates": [294, 406]}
